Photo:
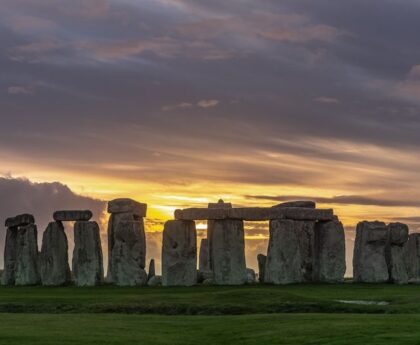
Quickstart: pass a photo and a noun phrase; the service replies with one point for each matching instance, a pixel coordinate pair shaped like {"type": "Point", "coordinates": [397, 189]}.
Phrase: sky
{"type": "Point", "coordinates": [177, 103]}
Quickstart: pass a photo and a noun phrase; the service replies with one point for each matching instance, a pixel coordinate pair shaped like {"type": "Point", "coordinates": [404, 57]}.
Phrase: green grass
{"type": "Point", "coordinates": [258, 314]}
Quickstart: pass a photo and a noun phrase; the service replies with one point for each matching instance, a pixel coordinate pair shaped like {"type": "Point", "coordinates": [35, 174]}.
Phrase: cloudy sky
{"type": "Point", "coordinates": [179, 102]}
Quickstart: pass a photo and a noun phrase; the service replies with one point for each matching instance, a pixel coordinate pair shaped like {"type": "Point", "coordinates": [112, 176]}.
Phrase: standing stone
{"type": "Point", "coordinates": [305, 231]}
{"type": "Point", "coordinates": [284, 260]}
{"type": "Point", "coordinates": [152, 271]}
{"type": "Point", "coordinates": [179, 253]}
{"type": "Point", "coordinates": [262, 259]}
{"type": "Point", "coordinates": [330, 252]}
{"type": "Point", "coordinates": [27, 270]}
{"type": "Point", "coordinates": [204, 263]}
{"type": "Point", "coordinates": [369, 261]}
{"type": "Point", "coordinates": [251, 277]}
{"type": "Point", "coordinates": [10, 257]}
{"type": "Point", "coordinates": [412, 258]}
{"type": "Point", "coordinates": [228, 252]}
{"type": "Point", "coordinates": [128, 253]}
{"type": "Point", "coordinates": [87, 263]}
{"type": "Point", "coordinates": [398, 236]}
{"type": "Point", "coordinates": [54, 261]}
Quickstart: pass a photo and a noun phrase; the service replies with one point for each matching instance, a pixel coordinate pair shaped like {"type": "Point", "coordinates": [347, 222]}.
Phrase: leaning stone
{"type": "Point", "coordinates": [228, 252]}
{"type": "Point", "coordinates": [179, 253]}
{"type": "Point", "coordinates": [10, 257]}
{"type": "Point", "coordinates": [250, 275]}
{"type": "Point", "coordinates": [87, 263]}
{"type": "Point", "coordinates": [128, 253]}
{"type": "Point", "coordinates": [54, 261]}
{"type": "Point", "coordinates": [304, 204]}
{"type": "Point", "coordinates": [330, 252]}
{"type": "Point", "coordinates": [398, 236]}
{"type": "Point", "coordinates": [151, 273]}
{"type": "Point", "coordinates": [27, 269]}
{"type": "Point", "coordinates": [20, 220]}
{"type": "Point", "coordinates": [155, 281]}
{"type": "Point", "coordinates": [261, 267]}
{"type": "Point", "coordinates": [127, 206]}
{"type": "Point", "coordinates": [369, 261]}
{"type": "Point", "coordinates": [204, 260]}
{"type": "Point", "coordinates": [283, 265]}
{"type": "Point", "coordinates": [412, 258]}
{"type": "Point", "coordinates": [72, 216]}
{"type": "Point", "coordinates": [305, 231]}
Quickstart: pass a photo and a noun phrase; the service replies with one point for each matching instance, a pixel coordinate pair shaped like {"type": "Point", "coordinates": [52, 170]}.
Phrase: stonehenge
{"type": "Point", "coordinates": [306, 245]}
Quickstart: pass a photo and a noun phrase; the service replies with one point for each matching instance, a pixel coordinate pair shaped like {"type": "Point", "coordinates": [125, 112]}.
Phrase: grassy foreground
{"type": "Point", "coordinates": [296, 314]}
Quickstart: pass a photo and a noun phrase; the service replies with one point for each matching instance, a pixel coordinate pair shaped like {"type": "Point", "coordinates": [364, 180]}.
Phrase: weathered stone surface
{"type": "Point", "coordinates": [209, 281]}
{"type": "Point", "coordinates": [305, 232]}
{"type": "Point", "coordinates": [204, 260]}
{"type": "Point", "coordinates": [251, 276]}
{"type": "Point", "coordinates": [27, 258]}
{"type": "Point", "coordinates": [20, 220]}
{"type": "Point", "coordinates": [203, 275]}
{"type": "Point", "coordinates": [127, 206]}
{"type": "Point", "coordinates": [179, 253]}
{"type": "Point", "coordinates": [54, 260]}
{"type": "Point", "coordinates": [369, 261]}
{"type": "Point", "coordinates": [72, 215]}
{"type": "Point", "coordinates": [261, 267]}
{"type": "Point", "coordinates": [398, 236]}
{"type": "Point", "coordinates": [87, 263]}
{"type": "Point", "coordinates": [303, 203]}
{"type": "Point", "coordinates": [330, 252]}
{"type": "Point", "coordinates": [412, 258]}
{"type": "Point", "coordinates": [152, 272]}
{"type": "Point", "coordinates": [228, 252]}
{"type": "Point", "coordinates": [128, 252]}
{"type": "Point", "coordinates": [255, 213]}
{"type": "Point", "coordinates": [155, 281]}
{"type": "Point", "coordinates": [283, 264]}
{"type": "Point", "coordinates": [10, 257]}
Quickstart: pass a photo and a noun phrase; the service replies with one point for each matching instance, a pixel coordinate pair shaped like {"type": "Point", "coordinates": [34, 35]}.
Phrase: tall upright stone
{"type": "Point", "coordinates": [412, 258]}
{"type": "Point", "coordinates": [126, 243]}
{"type": "Point", "coordinates": [369, 258]}
{"type": "Point", "coordinates": [305, 231]}
{"type": "Point", "coordinates": [228, 252]}
{"type": "Point", "coordinates": [179, 253]}
{"type": "Point", "coordinates": [330, 252]}
{"type": "Point", "coordinates": [398, 236]}
{"type": "Point", "coordinates": [152, 271]}
{"type": "Point", "coordinates": [262, 259]}
{"type": "Point", "coordinates": [54, 261]}
{"type": "Point", "coordinates": [87, 263]}
{"type": "Point", "coordinates": [10, 257]}
{"type": "Point", "coordinates": [204, 260]}
{"type": "Point", "coordinates": [284, 260]}
{"type": "Point", "coordinates": [27, 262]}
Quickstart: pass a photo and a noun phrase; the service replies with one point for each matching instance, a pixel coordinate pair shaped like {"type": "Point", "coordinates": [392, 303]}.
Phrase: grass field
{"type": "Point", "coordinates": [295, 314]}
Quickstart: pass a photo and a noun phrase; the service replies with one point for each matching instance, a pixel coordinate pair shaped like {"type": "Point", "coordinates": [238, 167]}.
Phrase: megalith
{"type": "Point", "coordinates": [54, 261]}
{"type": "Point", "coordinates": [179, 253]}
{"type": "Point", "coordinates": [261, 258]}
{"type": "Point", "coordinates": [283, 263]}
{"type": "Point", "coordinates": [152, 271]}
{"type": "Point", "coordinates": [412, 258]}
{"type": "Point", "coordinates": [87, 263]}
{"type": "Point", "coordinates": [398, 236]}
{"type": "Point", "coordinates": [27, 256]}
{"type": "Point", "coordinates": [305, 231]}
{"type": "Point", "coordinates": [369, 258]}
{"type": "Point", "coordinates": [10, 257]}
{"type": "Point", "coordinates": [228, 252]}
{"type": "Point", "coordinates": [330, 252]}
{"type": "Point", "coordinates": [204, 259]}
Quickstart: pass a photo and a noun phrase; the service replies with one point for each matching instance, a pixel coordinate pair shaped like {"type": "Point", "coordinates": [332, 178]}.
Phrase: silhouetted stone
{"type": "Point", "coordinates": [155, 281]}
{"type": "Point", "coordinates": [10, 257]}
{"type": "Point", "coordinates": [20, 220]}
{"type": "Point", "coordinates": [72, 216]}
{"type": "Point", "coordinates": [179, 253]}
{"type": "Point", "coordinates": [87, 263]}
{"type": "Point", "coordinates": [261, 267]}
{"type": "Point", "coordinates": [152, 272]}
{"type": "Point", "coordinates": [54, 261]}
{"type": "Point", "coordinates": [304, 204]}
{"type": "Point", "coordinates": [228, 252]}
{"type": "Point", "coordinates": [204, 263]}
{"type": "Point", "coordinates": [330, 252]}
{"type": "Point", "coordinates": [283, 265]}
{"type": "Point", "coordinates": [27, 258]}
{"type": "Point", "coordinates": [305, 232]}
{"type": "Point", "coordinates": [369, 262]}
{"type": "Point", "coordinates": [250, 276]}
{"type": "Point", "coordinates": [412, 258]}
{"type": "Point", "coordinates": [127, 206]}
{"type": "Point", "coordinates": [398, 236]}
